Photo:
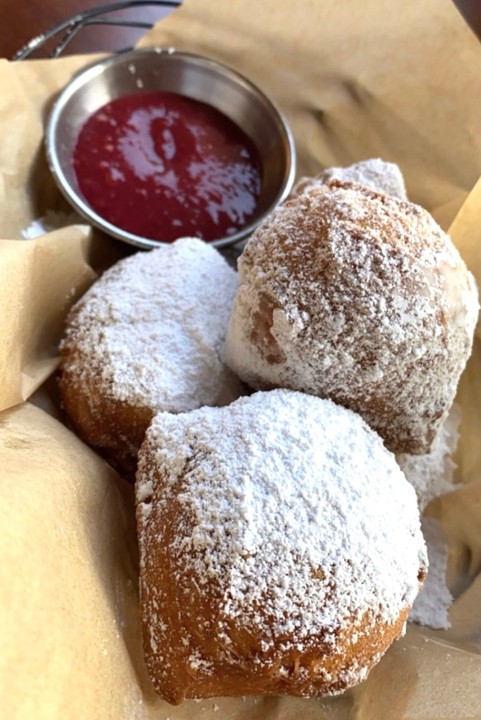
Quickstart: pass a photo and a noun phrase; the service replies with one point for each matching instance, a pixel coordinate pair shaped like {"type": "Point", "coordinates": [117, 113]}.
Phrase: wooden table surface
{"type": "Point", "coordinates": [20, 20]}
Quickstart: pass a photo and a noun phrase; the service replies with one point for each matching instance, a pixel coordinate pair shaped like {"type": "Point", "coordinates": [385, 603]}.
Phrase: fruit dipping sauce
{"type": "Point", "coordinates": [163, 166]}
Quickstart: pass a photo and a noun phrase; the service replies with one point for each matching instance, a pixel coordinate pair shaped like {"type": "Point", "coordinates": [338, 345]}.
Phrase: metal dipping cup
{"type": "Point", "coordinates": [194, 76]}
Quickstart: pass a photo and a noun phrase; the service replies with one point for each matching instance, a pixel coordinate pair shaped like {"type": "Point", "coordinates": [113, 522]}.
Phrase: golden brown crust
{"type": "Point", "coordinates": [317, 670]}
{"type": "Point", "coordinates": [116, 428]}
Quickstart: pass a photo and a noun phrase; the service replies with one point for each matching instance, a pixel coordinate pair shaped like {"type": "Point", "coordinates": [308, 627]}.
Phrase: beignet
{"type": "Point", "coordinates": [147, 336]}
{"type": "Point", "coordinates": [280, 548]}
{"type": "Point", "coordinates": [360, 297]}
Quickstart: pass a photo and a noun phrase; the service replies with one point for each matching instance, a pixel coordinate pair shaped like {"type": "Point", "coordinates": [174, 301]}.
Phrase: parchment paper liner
{"type": "Point", "coordinates": [354, 81]}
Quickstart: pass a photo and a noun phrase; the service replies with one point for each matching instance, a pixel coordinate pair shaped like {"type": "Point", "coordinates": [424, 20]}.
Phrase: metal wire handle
{"type": "Point", "coordinates": [72, 25]}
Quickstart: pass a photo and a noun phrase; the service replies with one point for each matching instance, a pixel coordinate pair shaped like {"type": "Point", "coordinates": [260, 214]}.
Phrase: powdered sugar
{"type": "Point", "coordinates": [360, 297]}
{"type": "Point", "coordinates": [150, 332]}
{"type": "Point", "coordinates": [50, 221]}
{"type": "Point", "coordinates": [434, 600]}
{"type": "Point", "coordinates": [432, 474]}
{"type": "Point", "coordinates": [293, 510]}
{"type": "Point", "coordinates": [374, 173]}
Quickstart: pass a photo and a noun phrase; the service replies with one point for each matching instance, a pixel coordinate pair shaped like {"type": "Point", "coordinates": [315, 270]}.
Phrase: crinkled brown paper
{"type": "Point", "coordinates": [356, 80]}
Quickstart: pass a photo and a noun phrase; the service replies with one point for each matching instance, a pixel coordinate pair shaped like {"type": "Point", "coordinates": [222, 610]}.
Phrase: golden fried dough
{"type": "Point", "coordinates": [360, 297]}
{"type": "Point", "coordinates": [147, 336]}
{"type": "Point", "coordinates": [280, 548]}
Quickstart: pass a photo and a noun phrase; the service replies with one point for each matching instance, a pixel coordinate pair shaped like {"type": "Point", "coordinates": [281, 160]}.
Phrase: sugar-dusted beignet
{"type": "Point", "coordinates": [280, 548]}
{"type": "Point", "coordinates": [148, 336]}
{"type": "Point", "coordinates": [357, 296]}
{"type": "Point", "coordinates": [374, 173]}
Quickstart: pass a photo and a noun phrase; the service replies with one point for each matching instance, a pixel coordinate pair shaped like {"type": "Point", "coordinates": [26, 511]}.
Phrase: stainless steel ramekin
{"type": "Point", "coordinates": [194, 76]}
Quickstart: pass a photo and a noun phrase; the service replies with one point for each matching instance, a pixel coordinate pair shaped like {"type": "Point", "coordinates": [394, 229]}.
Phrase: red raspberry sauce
{"type": "Point", "coordinates": [163, 166]}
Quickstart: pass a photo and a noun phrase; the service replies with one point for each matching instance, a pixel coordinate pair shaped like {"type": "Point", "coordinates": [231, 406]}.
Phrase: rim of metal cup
{"type": "Point", "coordinates": [88, 74]}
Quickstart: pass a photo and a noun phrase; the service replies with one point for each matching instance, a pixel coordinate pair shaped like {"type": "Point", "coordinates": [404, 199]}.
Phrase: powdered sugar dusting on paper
{"type": "Point", "coordinates": [50, 221]}
{"type": "Point", "coordinates": [432, 474]}
{"type": "Point", "coordinates": [293, 509]}
{"type": "Point", "coordinates": [151, 331]}
{"type": "Point", "coordinates": [434, 600]}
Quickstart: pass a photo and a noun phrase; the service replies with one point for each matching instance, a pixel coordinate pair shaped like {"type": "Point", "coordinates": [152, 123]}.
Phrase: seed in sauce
{"type": "Point", "coordinates": [163, 166]}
